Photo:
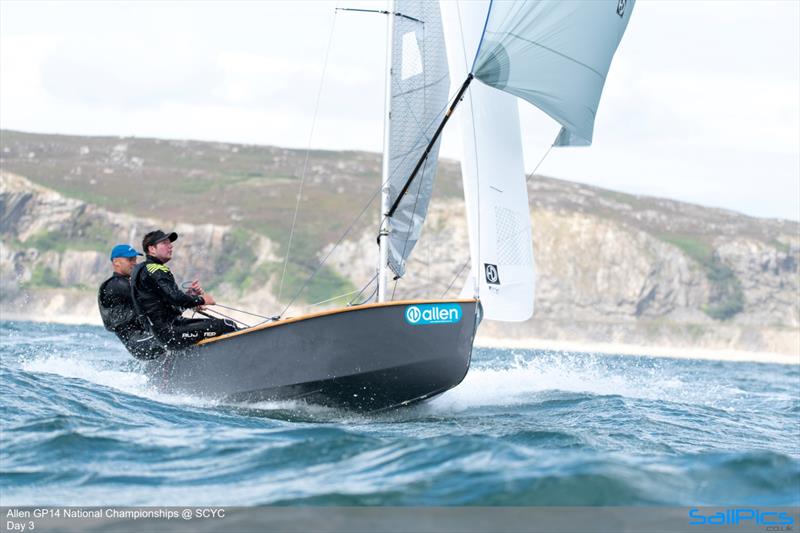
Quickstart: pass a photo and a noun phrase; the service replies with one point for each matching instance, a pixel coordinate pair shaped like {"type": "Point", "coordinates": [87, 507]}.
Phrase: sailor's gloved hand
{"type": "Point", "coordinates": [195, 289]}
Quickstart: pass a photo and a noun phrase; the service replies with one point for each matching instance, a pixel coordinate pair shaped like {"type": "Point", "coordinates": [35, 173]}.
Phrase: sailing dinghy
{"type": "Point", "coordinates": [386, 354]}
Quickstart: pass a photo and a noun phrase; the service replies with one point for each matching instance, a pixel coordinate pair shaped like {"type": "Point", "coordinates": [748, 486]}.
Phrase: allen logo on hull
{"type": "Point", "coordinates": [419, 315]}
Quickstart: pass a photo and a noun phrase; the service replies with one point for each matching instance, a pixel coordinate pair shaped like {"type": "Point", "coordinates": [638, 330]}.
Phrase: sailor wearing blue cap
{"type": "Point", "coordinates": [126, 251]}
{"type": "Point", "coordinates": [116, 306]}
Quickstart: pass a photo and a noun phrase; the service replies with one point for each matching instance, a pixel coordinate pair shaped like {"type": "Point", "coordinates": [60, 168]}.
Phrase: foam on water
{"type": "Point", "coordinates": [522, 378]}
{"type": "Point", "coordinates": [496, 383]}
{"type": "Point", "coordinates": [101, 360]}
{"type": "Point", "coordinates": [101, 373]}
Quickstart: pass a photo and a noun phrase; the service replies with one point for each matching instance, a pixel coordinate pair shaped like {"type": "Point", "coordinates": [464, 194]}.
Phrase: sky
{"type": "Point", "coordinates": [702, 102]}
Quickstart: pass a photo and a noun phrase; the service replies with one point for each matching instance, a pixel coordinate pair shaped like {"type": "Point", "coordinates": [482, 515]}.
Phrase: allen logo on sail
{"type": "Point", "coordinates": [418, 315]}
{"type": "Point", "coordinates": [621, 7]}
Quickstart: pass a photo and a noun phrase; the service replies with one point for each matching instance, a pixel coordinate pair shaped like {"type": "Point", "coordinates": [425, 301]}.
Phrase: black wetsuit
{"type": "Point", "coordinates": [161, 302]}
{"type": "Point", "coordinates": [119, 317]}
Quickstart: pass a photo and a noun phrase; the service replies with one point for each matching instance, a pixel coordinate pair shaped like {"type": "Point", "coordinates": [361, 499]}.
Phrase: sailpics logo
{"type": "Point", "coordinates": [773, 520]}
{"type": "Point", "coordinates": [420, 315]}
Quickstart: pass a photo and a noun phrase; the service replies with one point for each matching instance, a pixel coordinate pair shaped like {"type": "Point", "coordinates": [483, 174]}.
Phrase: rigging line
{"type": "Point", "coordinates": [458, 274]}
{"type": "Point", "coordinates": [330, 252]}
{"type": "Point", "coordinates": [338, 242]}
{"type": "Point", "coordinates": [224, 316]}
{"type": "Point", "coordinates": [244, 312]}
{"type": "Point", "coordinates": [308, 153]}
{"type": "Point", "coordinates": [461, 32]}
{"type": "Point", "coordinates": [483, 35]}
{"type": "Point", "coordinates": [368, 298]}
{"type": "Point", "coordinates": [381, 11]}
{"type": "Point", "coordinates": [186, 284]}
{"type": "Point", "coordinates": [539, 163]}
{"type": "Point", "coordinates": [423, 87]}
{"type": "Point", "coordinates": [347, 231]}
{"type": "Point", "coordinates": [556, 52]}
{"type": "Point", "coordinates": [367, 284]}
{"type": "Point", "coordinates": [335, 298]}
{"type": "Point", "coordinates": [527, 178]}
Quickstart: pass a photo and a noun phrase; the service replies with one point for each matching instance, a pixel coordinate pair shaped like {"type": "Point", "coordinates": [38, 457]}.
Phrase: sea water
{"type": "Point", "coordinates": [82, 426]}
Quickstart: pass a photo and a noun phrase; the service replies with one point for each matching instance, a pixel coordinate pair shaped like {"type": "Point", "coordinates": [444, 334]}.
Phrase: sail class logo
{"type": "Point", "coordinates": [418, 315]}
{"type": "Point", "coordinates": [492, 275]}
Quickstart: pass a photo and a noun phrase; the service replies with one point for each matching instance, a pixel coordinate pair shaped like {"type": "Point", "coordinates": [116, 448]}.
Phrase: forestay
{"type": "Point", "coordinates": [420, 84]}
{"type": "Point", "coordinates": [555, 55]}
{"type": "Point", "coordinates": [495, 190]}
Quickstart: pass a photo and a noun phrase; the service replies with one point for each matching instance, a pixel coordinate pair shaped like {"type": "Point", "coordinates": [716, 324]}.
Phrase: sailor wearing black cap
{"type": "Point", "coordinates": [117, 310]}
{"type": "Point", "coordinates": [161, 302]}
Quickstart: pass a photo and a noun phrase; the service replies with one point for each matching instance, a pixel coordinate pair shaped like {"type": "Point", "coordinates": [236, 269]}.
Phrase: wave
{"type": "Point", "coordinates": [82, 425]}
{"type": "Point", "coordinates": [527, 376]}
{"type": "Point", "coordinates": [498, 378]}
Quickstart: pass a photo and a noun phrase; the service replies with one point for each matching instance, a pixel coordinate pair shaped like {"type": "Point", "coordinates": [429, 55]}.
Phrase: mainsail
{"type": "Point", "coordinates": [555, 55]}
{"type": "Point", "coordinates": [495, 191]}
{"type": "Point", "coordinates": [420, 84]}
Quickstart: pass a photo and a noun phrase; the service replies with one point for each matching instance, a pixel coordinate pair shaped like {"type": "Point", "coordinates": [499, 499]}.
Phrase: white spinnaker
{"type": "Point", "coordinates": [555, 55]}
{"type": "Point", "coordinates": [495, 189]}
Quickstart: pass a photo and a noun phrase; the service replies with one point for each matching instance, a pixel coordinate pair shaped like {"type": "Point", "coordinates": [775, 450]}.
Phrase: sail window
{"type": "Point", "coordinates": [412, 59]}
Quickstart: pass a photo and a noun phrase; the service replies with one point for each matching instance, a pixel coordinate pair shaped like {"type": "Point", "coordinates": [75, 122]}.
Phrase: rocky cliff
{"type": "Point", "coordinates": [603, 280]}
{"type": "Point", "coordinates": [611, 267]}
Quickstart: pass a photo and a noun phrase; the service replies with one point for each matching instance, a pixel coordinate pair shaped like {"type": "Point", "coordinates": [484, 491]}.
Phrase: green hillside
{"type": "Point", "coordinates": [252, 187]}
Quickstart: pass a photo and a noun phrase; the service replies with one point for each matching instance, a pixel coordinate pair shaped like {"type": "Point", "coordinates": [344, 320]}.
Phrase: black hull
{"type": "Point", "coordinates": [364, 358]}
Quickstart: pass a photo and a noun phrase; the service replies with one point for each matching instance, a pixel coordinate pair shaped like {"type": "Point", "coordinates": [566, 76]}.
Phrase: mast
{"type": "Point", "coordinates": [383, 235]}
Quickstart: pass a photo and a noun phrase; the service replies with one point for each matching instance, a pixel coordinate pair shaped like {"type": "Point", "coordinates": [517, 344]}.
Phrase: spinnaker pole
{"type": "Point", "coordinates": [428, 148]}
{"type": "Point", "coordinates": [383, 235]}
